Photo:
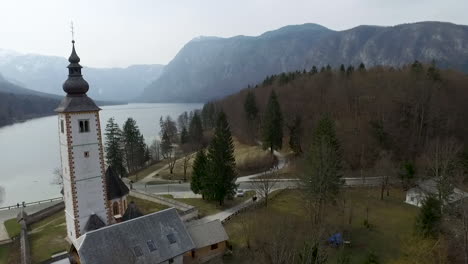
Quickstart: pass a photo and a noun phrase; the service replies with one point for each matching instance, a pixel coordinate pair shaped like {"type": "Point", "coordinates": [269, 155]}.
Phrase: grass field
{"type": "Point", "coordinates": [47, 237]}
{"type": "Point", "coordinates": [146, 207]}
{"type": "Point", "coordinates": [4, 253]}
{"type": "Point", "coordinates": [391, 220]}
{"type": "Point", "coordinates": [212, 207]}
{"type": "Point", "coordinates": [144, 172]}
{"type": "Point", "coordinates": [249, 160]}
{"type": "Point", "coordinates": [13, 227]}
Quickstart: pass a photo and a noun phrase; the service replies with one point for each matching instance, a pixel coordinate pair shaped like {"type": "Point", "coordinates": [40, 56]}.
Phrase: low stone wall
{"type": "Point", "coordinates": [187, 212]}
{"type": "Point", "coordinates": [44, 213]}
{"type": "Point", "coordinates": [26, 220]}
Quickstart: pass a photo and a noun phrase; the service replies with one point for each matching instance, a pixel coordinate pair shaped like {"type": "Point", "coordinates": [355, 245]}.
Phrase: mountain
{"type": "Point", "coordinates": [209, 67]}
{"type": "Point", "coordinates": [18, 104]}
{"type": "Point", "coordinates": [47, 74]}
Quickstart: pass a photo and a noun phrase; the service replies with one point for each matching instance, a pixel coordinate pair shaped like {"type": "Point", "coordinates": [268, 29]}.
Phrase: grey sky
{"type": "Point", "coordinates": [123, 32]}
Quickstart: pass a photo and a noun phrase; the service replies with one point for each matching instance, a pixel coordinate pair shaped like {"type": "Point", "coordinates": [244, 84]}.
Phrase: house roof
{"type": "Point", "coordinates": [116, 188]}
{"type": "Point", "coordinates": [131, 212]}
{"type": "Point", "coordinates": [152, 238]}
{"type": "Point", "coordinates": [430, 187]}
{"type": "Point", "coordinates": [207, 234]}
{"type": "Point", "coordinates": [94, 223]}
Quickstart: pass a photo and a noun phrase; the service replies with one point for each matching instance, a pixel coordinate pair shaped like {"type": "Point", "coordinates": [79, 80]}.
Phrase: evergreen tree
{"type": "Point", "coordinates": [166, 146]}
{"type": "Point", "coordinates": [273, 124]}
{"type": "Point", "coordinates": [250, 106]}
{"type": "Point", "coordinates": [342, 69]}
{"type": "Point", "coordinates": [196, 130]}
{"type": "Point", "coordinates": [329, 68]}
{"type": "Point", "coordinates": [313, 70]}
{"type": "Point", "coordinates": [429, 218]}
{"type": "Point", "coordinates": [295, 134]}
{"type": "Point", "coordinates": [362, 67]}
{"type": "Point", "coordinates": [222, 164]}
{"type": "Point", "coordinates": [113, 147]}
{"type": "Point", "coordinates": [184, 137]}
{"type": "Point", "coordinates": [133, 145]}
{"type": "Point", "coordinates": [349, 70]}
{"type": "Point", "coordinates": [208, 115]}
{"type": "Point", "coordinates": [322, 168]}
{"type": "Point", "coordinates": [199, 172]}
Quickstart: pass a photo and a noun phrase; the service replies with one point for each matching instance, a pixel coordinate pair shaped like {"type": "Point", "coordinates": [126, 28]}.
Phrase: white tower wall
{"type": "Point", "coordinates": [83, 171]}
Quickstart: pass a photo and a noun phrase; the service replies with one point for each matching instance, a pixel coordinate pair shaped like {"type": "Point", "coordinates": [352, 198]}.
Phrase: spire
{"type": "Point", "coordinates": [75, 85]}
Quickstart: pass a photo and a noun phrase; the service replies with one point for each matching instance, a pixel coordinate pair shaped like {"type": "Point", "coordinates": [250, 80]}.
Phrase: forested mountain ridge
{"type": "Point", "coordinates": [18, 104]}
{"type": "Point", "coordinates": [208, 67]}
{"type": "Point", "coordinates": [399, 112]}
{"type": "Point", "coordinates": [47, 74]}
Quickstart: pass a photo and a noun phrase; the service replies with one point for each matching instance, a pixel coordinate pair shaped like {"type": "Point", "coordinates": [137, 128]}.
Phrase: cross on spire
{"type": "Point", "coordinates": [72, 32]}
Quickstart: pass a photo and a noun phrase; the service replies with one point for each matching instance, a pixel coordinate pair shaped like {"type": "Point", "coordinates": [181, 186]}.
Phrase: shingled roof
{"type": "Point", "coordinates": [132, 212]}
{"type": "Point", "coordinates": [94, 223]}
{"type": "Point", "coordinates": [116, 188]}
{"type": "Point", "coordinates": [153, 238]}
{"type": "Point", "coordinates": [207, 234]}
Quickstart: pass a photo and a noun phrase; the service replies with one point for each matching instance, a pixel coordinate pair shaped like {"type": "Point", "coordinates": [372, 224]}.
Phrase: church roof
{"type": "Point", "coordinates": [94, 223]}
{"type": "Point", "coordinates": [131, 212]}
{"type": "Point", "coordinates": [153, 238]}
{"type": "Point", "coordinates": [76, 88]}
{"type": "Point", "coordinates": [116, 188]}
{"type": "Point", "coordinates": [207, 234]}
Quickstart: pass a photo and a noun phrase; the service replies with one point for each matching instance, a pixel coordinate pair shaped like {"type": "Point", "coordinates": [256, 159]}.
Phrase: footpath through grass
{"type": "Point", "coordinates": [391, 223]}
{"type": "Point", "coordinates": [212, 207]}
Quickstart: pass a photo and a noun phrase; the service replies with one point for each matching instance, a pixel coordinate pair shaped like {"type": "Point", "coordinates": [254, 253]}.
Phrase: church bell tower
{"type": "Point", "coordinates": [83, 168]}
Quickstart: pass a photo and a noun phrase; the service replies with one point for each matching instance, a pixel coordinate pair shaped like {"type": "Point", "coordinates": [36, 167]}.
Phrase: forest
{"type": "Point", "coordinates": [397, 111]}
{"type": "Point", "coordinates": [18, 107]}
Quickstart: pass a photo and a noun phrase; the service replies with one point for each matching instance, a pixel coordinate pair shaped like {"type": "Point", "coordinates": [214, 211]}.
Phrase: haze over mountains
{"type": "Point", "coordinates": [207, 68]}
{"type": "Point", "coordinates": [211, 67]}
{"type": "Point", "coordinates": [47, 74]}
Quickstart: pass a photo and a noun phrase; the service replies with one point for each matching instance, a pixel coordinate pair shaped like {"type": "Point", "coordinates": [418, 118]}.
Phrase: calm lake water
{"type": "Point", "coordinates": [30, 150]}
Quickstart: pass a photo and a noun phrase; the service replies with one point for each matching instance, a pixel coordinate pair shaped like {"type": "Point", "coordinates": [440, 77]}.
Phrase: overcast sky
{"type": "Point", "coordinates": [118, 33]}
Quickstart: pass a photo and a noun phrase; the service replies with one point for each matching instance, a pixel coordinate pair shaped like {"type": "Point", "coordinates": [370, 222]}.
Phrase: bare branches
{"type": "Point", "coordinates": [266, 184]}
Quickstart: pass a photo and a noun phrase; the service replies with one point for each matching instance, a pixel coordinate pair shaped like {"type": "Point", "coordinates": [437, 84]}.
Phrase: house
{"type": "Point", "coordinates": [416, 195]}
{"type": "Point", "coordinates": [210, 242]}
{"type": "Point", "coordinates": [159, 237]}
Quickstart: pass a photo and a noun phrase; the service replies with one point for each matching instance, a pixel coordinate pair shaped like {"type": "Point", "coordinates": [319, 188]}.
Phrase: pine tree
{"type": "Point", "coordinates": [362, 67]}
{"type": "Point", "coordinates": [250, 106]}
{"type": "Point", "coordinates": [199, 172]}
{"type": "Point", "coordinates": [322, 168]}
{"type": "Point", "coordinates": [222, 164]}
{"type": "Point", "coordinates": [133, 142]}
{"type": "Point", "coordinates": [429, 218]}
{"type": "Point", "coordinates": [166, 146]}
{"type": "Point", "coordinates": [196, 130]}
{"type": "Point", "coordinates": [295, 134]}
{"type": "Point", "coordinates": [113, 147]}
{"type": "Point", "coordinates": [184, 137]}
{"type": "Point", "coordinates": [313, 70]}
{"type": "Point", "coordinates": [342, 69]}
{"type": "Point", "coordinates": [273, 124]}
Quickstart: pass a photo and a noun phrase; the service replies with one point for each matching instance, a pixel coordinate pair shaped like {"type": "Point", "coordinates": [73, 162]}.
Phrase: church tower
{"type": "Point", "coordinates": [83, 168]}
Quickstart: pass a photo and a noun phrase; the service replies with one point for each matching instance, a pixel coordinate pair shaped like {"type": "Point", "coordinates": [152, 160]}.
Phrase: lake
{"type": "Point", "coordinates": [30, 150]}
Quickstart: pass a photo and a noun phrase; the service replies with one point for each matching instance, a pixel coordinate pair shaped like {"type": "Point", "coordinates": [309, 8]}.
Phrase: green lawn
{"type": "Point", "coordinates": [47, 237]}
{"type": "Point", "coordinates": [392, 222]}
{"type": "Point", "coordinates": [13, 227]}
{"type": "Point", "coordinates": [146, 207]}
{"type": "Point", "coordinates": [4, 253]}
{"type": "Point", "coordinates": [144, 172]}
{"type": "Point", "coordinates": [212, 207]}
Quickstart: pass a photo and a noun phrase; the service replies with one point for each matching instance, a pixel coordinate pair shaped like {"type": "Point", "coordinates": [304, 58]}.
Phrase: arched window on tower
{"type": "Point", "coordinates": [115, 208]}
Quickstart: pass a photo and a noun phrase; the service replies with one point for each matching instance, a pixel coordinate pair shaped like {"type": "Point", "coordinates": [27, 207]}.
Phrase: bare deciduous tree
{"type": "Point", "coordinates": [57, 177]}
{"type": "Point", "coordinates": [265, 185]}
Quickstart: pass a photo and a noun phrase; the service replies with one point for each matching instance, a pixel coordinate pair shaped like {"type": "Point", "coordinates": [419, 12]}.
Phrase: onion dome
{"type": "Point", "coordinates": [75, 84]}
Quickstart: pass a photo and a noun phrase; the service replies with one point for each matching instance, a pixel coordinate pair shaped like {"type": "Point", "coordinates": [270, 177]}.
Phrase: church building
{"type": "Point", "coordinates": [102, 226]}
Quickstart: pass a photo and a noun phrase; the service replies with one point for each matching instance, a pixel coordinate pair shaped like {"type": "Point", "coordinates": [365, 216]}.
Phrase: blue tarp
{"type": "Point", "coordinates": [336, 239]}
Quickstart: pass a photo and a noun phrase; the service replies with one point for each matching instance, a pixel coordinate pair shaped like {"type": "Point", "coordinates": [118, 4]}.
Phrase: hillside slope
{"type": "Point", "coordinates": [209, 67]}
